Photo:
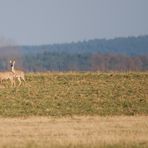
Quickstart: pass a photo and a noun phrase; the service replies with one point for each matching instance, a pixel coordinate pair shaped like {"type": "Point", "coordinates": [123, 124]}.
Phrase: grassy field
{"type": "Point", "coordinates": [68, 94]}
{"type": "Point", "coordinates": [76, 132]}
{"type": "Point", "coordinates": [76, 110]}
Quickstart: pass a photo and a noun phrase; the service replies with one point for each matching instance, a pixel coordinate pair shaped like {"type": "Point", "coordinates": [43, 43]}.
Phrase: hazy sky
{"type": "Point", "coordinates": [57, 21]}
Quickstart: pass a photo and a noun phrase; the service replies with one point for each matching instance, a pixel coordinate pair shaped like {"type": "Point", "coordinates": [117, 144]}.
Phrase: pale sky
{"type": "Point", "coordinates": [34, 22]}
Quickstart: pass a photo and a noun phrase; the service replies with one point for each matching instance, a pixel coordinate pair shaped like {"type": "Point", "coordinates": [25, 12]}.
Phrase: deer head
{"type": "Point", "coordinates": [12, 63]}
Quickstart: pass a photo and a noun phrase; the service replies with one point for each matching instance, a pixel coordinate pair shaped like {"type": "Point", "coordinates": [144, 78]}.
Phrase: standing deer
{"type": "Point", "coordinates": [7, 76]}
{"type": "Point", "coordinates": [18, 74]}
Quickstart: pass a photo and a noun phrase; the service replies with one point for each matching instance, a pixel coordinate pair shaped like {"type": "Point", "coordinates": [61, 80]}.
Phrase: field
{"type": "Point", "coordinates": [75, 110]}
{"type": "Point", "coordinates": [76, 132]}
{"type": "Point", "coordinates": [68, 94]}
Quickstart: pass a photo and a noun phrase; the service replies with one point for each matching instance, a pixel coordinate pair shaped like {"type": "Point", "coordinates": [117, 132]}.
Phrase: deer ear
{"type": "Point", "coordinates": [10, 61]}
{"type": "Point", "coordinates": [14, 62]}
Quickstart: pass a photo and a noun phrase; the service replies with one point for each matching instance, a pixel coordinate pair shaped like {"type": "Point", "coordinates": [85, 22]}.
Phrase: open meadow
{"type": "Point", "coordinates": [68, 94]}
{"type": "Point", "coordinates": [75, 110]}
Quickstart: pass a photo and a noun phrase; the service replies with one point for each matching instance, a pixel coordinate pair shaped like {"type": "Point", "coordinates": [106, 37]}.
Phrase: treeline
{"type": "Point", "coordinates": [119, 54]}
{"type": "Point", "coordinates": [57, 62]}
{"type": "Point", "coordinates": [119, 62]}
{"type": "Point", "coordinates": [85, 62]}
{"type": "Point", "coordinates": [78, 62]}
{"type": "Point", "coordinates": [130, 46]}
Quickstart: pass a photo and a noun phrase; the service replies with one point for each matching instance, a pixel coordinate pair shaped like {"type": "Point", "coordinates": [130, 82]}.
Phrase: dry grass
{"type": "Point", "coordinates": [80, 132]}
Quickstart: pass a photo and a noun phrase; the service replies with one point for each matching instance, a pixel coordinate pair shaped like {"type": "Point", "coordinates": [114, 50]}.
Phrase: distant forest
{"type": "Point", "coordinates": [119, 54]}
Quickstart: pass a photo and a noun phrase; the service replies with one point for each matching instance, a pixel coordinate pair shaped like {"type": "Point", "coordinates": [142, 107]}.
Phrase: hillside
{"type": "Point", "coordinates": [119, 54]}
{"type": "Point", "coordinates": [129, 46]}
{"type": "Point", "coordinates": [68, 94]}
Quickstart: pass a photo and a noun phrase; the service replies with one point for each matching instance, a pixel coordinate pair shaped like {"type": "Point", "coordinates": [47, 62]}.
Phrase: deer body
{"type": "Point", "coordinates": [17, 74]}
{"type": "Point", "coordinates": [7, 76]}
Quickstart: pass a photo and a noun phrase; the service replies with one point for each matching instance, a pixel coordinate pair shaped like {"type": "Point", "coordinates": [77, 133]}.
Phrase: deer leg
{"type": "Point", "coordinates": [12, 82]}
{"type": "Point", "coordinates": [19, 79]}
{"type": "Point", "coordinates": [23, 78]}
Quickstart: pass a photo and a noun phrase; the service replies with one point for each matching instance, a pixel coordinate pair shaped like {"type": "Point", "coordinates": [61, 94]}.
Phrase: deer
{"type": "Point", "coordinates": [7, 76]}
{"type": "Point", "coordinates": [17, 74]}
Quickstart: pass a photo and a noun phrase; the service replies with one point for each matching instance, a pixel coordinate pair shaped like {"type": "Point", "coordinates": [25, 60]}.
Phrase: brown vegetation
{"type": "Point", "coordinates": [80, 132]}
